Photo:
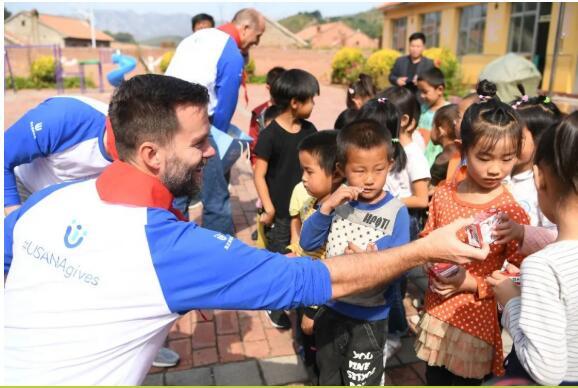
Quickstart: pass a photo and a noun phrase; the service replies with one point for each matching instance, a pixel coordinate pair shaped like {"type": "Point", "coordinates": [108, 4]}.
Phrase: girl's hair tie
{"type": "Point", "coordinates": [395, 140]}
{"type": "Point", "coordinates": [382, 100]}
{"type": "Point", "coordinates": [547, 100]}
{"type": "Point", "coordinates": [522, 99]}
{"type": "Point", "coordinates": [484, 98]}
{"type": "Point", "coordinates": [351, 91]}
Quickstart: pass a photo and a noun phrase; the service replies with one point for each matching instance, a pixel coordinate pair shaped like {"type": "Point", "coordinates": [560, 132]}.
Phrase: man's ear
{"type": "Point", "coordinates": [150, 155]}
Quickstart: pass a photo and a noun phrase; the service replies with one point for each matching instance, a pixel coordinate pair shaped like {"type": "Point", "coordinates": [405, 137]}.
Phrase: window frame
{"type": "Point", "coordinates": [522, 15]}
{"type": "Point", "coordinates": [395, 34]}
{"type": "Point", "coordinates": [466, 28]}
{"type": "Point", "coordinates": [436, 28]}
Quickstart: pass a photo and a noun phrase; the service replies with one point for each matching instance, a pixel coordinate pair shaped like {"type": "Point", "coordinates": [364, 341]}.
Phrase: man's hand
{"type": "Point", "coordinates": [339, 197]}
{"type": "Point", "coordinates": [307, 325]}
{"type": "Point", "coordinates": [401, 81]}
{"type": "Point", "coordinates": [462, 281]}
{"type": "Point", "coordinates": [504, 288]}
{"type": "Point", "coordinates": [443, 244]}
{"type": "Point", "coordinates": [507, 230]}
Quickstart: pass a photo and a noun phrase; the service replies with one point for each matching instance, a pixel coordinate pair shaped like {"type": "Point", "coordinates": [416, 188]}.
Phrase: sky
{"type": "Point", "coordinates": [221, 10]}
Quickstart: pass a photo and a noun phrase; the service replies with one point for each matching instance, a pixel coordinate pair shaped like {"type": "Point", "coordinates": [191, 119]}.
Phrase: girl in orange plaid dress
{"type": "Point", "coordinates": [459, 334]}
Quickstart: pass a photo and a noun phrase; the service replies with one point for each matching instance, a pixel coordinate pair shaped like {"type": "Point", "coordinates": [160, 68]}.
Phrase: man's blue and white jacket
{"type": "Point", "coordinates": [99, 270]}
{"type": "Point", "coordinates": [60, 140]}
{"type": "Point", "coordinates": [210, 57]}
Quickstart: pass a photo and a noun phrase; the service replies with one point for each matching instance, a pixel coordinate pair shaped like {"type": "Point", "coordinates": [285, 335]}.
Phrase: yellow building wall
{"type": "Point", "coordinates": [495, 38]}
{"type": "Point", "coordinates": [567, 63]}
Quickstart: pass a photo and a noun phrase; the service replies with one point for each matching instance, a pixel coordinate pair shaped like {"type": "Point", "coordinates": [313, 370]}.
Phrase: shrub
{"type": "Point", "coordinates": [379, 65]}
{"type": "Point", "coordinates": [448, 63]}
{"type": "Point", "coordinates": [30, 83]}
{"type": "Point", "coordinates": [166, 60]}
{"type": "Point", "coordinates": [74, 82]}
{"type": "Point", "coordinates": [43, 69]}
{"type": "Point", "coordinates": [250, 68]}
{"type": "Point", "coordinates": [347, 64]}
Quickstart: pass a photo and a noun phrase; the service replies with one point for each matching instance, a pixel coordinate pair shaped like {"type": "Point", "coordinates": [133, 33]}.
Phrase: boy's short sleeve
{"type": "Point", "coordinates": [264, 147]}
{"type": "Point", "coordinates": [298, 199]}
{"type": "Point", "coordinates": [417, 164]}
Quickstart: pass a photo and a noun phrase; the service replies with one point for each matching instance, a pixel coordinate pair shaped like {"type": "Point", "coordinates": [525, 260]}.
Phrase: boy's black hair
{"type": "Point", "coordinates": [345, 117]}
{"type": "Point", "coordinates": [405, 101]}
{"type": "Point", "coordinates": [364, 134]}
{"type": "Point", "coordinates": [271, 113]}
{"type": "Point", "coordinates": [273, 74]}
{"type": "Point", "coordinates": [417, 35]}
{"type": "Point", "coordinates": [362, 87]}
{"type": "Point", "coordinates": [323, 146]}
{"type": "Point", "coordinates": [386, 113]}
{"type": "Point", "coordinates": [294, 84]}
{"type": "Point", "coordinates": [143, 109]}
{"type": "Point", "coordinates": [433, 76]}
{"type": "Point", "coordinates": [202, 17]}
{"type": "Point", "coordinates": [447, 117]}
{"type": "Point", "coordinates": [537, 113]}
{"type": "Point", "coordinates": [490, 120]}
{"type": "Point", "coordinates": [558, 148]}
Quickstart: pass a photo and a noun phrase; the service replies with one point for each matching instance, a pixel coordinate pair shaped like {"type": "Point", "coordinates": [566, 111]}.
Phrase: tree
{"type": "Point", "coordinates": [7, 13]}
{"type": "Point", "coordinates": [125, 37]}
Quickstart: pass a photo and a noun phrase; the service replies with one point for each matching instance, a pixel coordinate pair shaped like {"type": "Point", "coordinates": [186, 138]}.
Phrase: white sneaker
{"type": "Point", "coordinates": [393, 346]}
{"type": "Point", "coordinates": [166, 358]}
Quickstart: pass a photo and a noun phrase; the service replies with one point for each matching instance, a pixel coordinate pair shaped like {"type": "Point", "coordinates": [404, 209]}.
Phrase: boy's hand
{"type": "Point", "coordinates": [504, 288]}
{"type": "Point", "coordinates": [462, 281]}
{"type": "Point", "coordinates": [307, 325]}
{"type": "Point", "coordinates": [339, 197]}
{"type": "Point", "coordinates": [507, 230]}
{"type": "Point", "coordinates": [267, 217]}
{"type": "Point", "coordinates": [352, 248]}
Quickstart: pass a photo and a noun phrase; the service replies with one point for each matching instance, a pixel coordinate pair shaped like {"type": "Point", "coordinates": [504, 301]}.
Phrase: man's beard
{"type": "Point", "coordinates": [180, 179]}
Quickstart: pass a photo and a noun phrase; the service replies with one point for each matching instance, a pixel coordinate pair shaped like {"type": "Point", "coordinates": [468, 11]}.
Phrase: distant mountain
{"type": "Point", "coordinates": [369, 22]}
{"type": "Point", "coordinates": [143, 26]}
{"type": "Point", "coordinates": [157, 41]}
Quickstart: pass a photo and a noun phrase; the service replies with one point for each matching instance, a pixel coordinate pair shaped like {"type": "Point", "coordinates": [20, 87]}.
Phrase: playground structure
{"type": "Point", "coordinates": [105, 56]}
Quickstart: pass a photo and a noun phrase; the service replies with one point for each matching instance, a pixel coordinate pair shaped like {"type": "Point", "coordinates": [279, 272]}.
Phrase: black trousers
{"type": "Point", "coordinates": [349, 351]}
{"type": "Point", "coordinates": [438, 376]}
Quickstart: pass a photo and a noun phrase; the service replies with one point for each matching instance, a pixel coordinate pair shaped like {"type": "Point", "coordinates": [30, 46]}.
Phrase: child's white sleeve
{"type": "Point", "coordinates": [417, 165]}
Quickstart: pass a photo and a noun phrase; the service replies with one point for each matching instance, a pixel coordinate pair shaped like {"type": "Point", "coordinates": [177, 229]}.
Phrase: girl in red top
{"type": "Point", "coordinates": [459, 335]}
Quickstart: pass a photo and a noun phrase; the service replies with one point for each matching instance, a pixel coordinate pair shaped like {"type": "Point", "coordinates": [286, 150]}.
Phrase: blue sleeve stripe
{"type": "Point", "coordinates": [198, 268]}
{"type": "Point", "coordinates": [229, 74]}
{"type": "Point", "coordinates": [55, 125]}
{"type": "Point", "coordinates": [11, 220]}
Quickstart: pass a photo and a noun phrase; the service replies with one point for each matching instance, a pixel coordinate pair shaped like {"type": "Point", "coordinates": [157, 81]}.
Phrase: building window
{"type": "Point", "coordinates": [472, 27]}
{"type": "Point", "coordinates": [430, 26]}
{"type": "Point", "coordinates": [399, 33]}
{"type": "Point", "coordinates": [523, 25]}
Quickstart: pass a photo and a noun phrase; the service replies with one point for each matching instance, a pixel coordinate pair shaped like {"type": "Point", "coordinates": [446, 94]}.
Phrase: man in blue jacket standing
{"type": "Point", "coordinates": [213, 57]}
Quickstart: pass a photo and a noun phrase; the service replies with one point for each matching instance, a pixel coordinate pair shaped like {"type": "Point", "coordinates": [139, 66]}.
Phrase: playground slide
{"type": "Point", "coordinates": [126, 64]}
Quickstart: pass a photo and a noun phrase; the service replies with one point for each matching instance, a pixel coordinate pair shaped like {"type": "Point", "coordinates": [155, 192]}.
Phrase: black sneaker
{"type": "Point", "coordinates": [279, 319]}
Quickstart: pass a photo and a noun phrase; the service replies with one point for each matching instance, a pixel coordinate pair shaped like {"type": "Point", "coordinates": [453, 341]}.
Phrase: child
{"type": "Point", "coordinates": [345, 118]}
{"type": "Point", "coordinates": [258, 122]}
{"type": "Point", "coordinates": [537, 114]}
{"type": "Point", "coordinates": [277, 169]}
{"type": "Point", "coordinates": [541, 316]}
{"type": "Point", "coordinates": [431, 85]}
{"type": "Point", "coordinates": [444, 134]}
{"type": "Point", "coordinates": [320, 178]}
{"type": "Point", "coordinates": [360, 91]}
{"type": "Point", "coordinates": [459, 335]}
{"type": "Point", "coordinates": [350, 332]}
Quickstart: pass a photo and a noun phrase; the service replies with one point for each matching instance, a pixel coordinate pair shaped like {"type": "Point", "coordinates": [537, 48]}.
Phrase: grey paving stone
{"type": "Point", "coordinates": [238, 373]}
{"type": "Point", "coordinates": [283, 370]}
{"type": "Point", "coordinates": [153, 380]}
{"type": "Point", "coordinates": [407, 353]}
{"type": "Point", "coordinates": [195, 376]}
{"type": "Point", "coordinates": [392, 361]}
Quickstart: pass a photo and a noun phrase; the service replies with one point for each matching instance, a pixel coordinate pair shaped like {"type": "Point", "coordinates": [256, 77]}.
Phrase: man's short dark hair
{"type": "Point", "coordinates": [433, 76]}
{"type": "Point", "coordinates": [294, 83]}
{"type": "Point", "coordinates": [364, 134]}
{"type": "Point", "coordinates": [322, 146]}
{"type": "Point", "coordinates": [201, 17]}
{"type": "Point", "coordinates": [417, 35]}
{"type": "Point", "coordinates": [143, 109]}
{"type": "Point", "coordinates": [273, 74]}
